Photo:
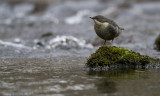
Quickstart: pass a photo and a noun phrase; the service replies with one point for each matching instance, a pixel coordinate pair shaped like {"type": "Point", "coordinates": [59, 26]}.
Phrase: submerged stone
{"type": "Point", "coordinates": [108, 56]}
{"type": "Point", "coordinates": [157, 42]}
{"type": "Point", "coordinates": [47, 34]}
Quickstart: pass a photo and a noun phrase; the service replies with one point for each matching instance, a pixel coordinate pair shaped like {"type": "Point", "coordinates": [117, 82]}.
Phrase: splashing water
{"type": "Point", "coordinates": [67, 42]}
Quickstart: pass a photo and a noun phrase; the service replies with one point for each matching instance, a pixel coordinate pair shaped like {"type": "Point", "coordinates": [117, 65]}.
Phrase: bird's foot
{"type": "Point", "coordinates": [104, 44]}
{"type": "Point", "coordinates": [111, 43]}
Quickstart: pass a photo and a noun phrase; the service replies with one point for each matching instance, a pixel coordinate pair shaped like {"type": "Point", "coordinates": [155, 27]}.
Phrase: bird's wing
{"type": "Point", "coordinates": [112, 23]}
{"type": "Point", "coordinates": [112, 30]}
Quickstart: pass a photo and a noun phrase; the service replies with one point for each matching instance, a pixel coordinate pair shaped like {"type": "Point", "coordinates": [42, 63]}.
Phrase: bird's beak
{"type": "Point", "coordinates": [91, 17]}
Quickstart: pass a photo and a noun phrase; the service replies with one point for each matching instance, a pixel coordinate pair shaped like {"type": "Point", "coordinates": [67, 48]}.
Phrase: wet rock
{"type": "Point", "coordinates": [39, 43]}
{"type": "Point", "coordinates": [108, 56]}
{"type": "Point", "coordinates": [125, 5]}
{"type": "Point", "coordinates": [30, 24]}
{"type": "Point", "coordinates": [47, 34]}
{"type": "Point", "coordinates": [157, 43]}
{"type": "Point", "coordinates": [40, 7]}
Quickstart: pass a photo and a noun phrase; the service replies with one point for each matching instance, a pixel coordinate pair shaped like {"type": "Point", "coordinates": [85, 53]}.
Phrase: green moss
{"type": "Point", "coordinates": [106, 56]}
{"type": "Point", "coordinates": [157, 42]}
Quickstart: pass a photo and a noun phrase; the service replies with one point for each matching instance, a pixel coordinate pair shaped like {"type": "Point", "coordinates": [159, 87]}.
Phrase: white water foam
{"type": "Point", "coordinates": [68, 42]}
{"type": "Point", "coordinates": [5, 43]}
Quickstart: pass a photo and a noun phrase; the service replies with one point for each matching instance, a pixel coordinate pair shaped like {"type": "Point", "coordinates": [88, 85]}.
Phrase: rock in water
{"type": "Point", "coordinates": [157, 42]}
{"type": "Point", "coordinates": [108, 56]}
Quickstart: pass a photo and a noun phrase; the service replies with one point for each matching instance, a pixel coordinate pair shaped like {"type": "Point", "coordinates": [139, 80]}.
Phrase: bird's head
{"type": "Point", "coordinates": [99, 18]}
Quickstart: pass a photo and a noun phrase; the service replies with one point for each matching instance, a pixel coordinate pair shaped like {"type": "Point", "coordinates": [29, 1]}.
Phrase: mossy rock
{"type": "Point", "coordinates": [108, 56]}
{"type": "Point", "coordinates": [157, 42]}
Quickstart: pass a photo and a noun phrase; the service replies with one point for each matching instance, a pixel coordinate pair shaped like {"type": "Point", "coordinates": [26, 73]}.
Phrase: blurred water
{"type": "Point", "coordinates": [66, 76]}
{"type": "Point", "coordinates": [44, 52]}
{"type": "Point", "coordinates": [140, 20]}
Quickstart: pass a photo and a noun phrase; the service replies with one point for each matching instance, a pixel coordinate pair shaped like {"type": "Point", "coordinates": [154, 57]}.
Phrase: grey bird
{"type": "Point", "coordinates": [105, 28]}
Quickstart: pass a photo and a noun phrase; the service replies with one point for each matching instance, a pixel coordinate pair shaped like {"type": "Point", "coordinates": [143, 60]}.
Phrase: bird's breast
{"type": "Point", "coordinates": [106, 31]}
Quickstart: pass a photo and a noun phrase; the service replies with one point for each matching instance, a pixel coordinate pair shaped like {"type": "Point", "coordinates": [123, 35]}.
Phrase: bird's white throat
{"type": "Point", "coordinates": [105, 24]}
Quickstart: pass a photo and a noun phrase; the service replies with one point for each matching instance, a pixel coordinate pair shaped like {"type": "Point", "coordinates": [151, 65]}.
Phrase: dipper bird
{"type": "Point", "coordinates": [105, 28]}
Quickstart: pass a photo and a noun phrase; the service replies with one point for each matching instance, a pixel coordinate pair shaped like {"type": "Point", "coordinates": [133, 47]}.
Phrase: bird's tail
{"type": "Point", "coordinates": [121, 28]}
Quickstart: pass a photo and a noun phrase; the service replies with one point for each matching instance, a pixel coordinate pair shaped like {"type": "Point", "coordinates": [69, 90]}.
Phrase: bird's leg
{"type": "Point", "coordinates": [111, 43]}
{"type": "Point", "coordinates": [104, 43]}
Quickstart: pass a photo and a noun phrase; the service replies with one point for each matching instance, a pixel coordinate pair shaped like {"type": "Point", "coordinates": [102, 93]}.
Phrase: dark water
{"type": "Point", "coordinates": [62, 77]}
{"type": "Point", "coordinates": [43, 50]}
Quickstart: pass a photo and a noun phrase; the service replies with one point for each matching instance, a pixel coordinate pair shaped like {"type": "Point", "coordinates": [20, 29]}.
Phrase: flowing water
{"type": "Point", "coordinates": [66, 76]}
{"type": "Point", "coordinates": [44, 50]}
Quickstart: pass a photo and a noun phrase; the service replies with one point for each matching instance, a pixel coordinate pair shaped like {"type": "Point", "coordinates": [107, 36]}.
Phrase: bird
{"type": "Point", "coordinates": [106, 28]}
